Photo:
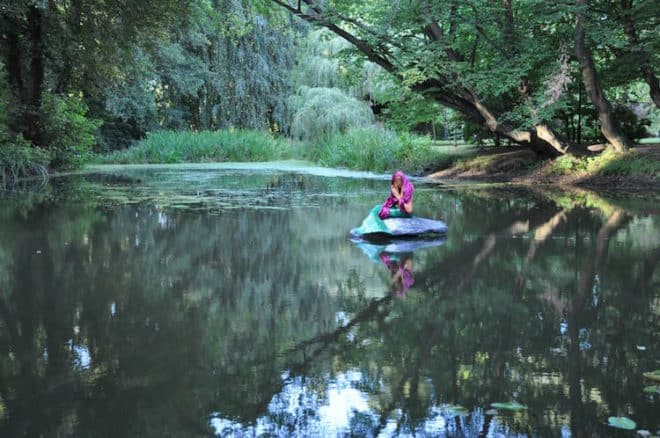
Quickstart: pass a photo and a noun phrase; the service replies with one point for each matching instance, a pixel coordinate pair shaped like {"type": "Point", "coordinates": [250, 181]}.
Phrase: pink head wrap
{"type": "Point", "coordinates": [407, 191]}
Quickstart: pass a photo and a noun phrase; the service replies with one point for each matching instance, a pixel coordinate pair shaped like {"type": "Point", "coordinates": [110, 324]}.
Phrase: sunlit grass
{"type": "Point", "coordinates": [608, 163]}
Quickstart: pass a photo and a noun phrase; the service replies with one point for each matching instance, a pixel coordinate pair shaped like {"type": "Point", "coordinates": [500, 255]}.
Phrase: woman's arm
{"type": "Point", "coordinates": [398, 194]}
{"type": "Point", "coordinates": [408, 206]}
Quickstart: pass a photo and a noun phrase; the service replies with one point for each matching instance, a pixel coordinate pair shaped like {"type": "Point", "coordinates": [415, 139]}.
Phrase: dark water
{"type": "Point", "coordinates": [193, 302]}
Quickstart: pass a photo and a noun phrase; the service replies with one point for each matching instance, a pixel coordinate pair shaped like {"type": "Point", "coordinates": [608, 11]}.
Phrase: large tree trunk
{"type": "Point", "coordinates": [592, 86]}
{"type": "Point", "coordinates": [13, 64]}
{"type": "Point", "coordinates": [36, 77]}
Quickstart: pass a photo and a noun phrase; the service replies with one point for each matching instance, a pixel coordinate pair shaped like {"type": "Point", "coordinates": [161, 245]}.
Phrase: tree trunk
{"type": "Point", "coordinates": [592, 86]}
{"type": "Point", "coordinates": [36, 77]}
{"type": "Point", "coordinates": [508, 28]}
{"type": "Point", "coordinates": [13, 63]}
{"type": "Point", "coordinates": [647, 71]}
{"type": "Point", "coordinates": [652, 80]}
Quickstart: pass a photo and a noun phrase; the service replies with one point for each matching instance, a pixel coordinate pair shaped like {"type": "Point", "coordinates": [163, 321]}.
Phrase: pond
{"type": "Point", "coordinates": [229, 300]}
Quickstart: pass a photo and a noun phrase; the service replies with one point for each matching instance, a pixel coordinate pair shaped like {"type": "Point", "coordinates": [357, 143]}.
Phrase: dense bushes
{"type": "Point", "coordinates": [69, 134]}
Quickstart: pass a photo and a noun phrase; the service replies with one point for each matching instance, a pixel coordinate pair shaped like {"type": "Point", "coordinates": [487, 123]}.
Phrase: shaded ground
{"type": "Point", "coordinates": [522, 166]}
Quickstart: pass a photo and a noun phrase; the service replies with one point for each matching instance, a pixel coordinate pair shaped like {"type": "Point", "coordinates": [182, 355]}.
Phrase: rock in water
{"type": "Point", "coordinates": [398, 224]}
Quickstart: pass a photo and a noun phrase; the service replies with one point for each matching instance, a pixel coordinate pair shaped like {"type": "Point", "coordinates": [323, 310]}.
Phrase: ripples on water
{"type": "Point", "coordinates": [228, 300]}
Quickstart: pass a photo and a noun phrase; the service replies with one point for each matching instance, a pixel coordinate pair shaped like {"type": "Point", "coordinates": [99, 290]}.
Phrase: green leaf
{"type": "Point", "coordinates": [622, 423]}
{"type": "Point", "coordinates": [510, 406]}
{"type": "Point", "coordinates": [653, 375]}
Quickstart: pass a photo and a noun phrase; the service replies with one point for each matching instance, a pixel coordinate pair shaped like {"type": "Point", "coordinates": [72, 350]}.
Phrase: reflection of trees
{"type": "Point", "coordinates": [169, 278]}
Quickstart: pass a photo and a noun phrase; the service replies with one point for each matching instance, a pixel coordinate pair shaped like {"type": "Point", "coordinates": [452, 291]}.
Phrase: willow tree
{"type": "Point", "coordinates": [500, 64]}
{"type": "Point", "coordinates": [323, 103]}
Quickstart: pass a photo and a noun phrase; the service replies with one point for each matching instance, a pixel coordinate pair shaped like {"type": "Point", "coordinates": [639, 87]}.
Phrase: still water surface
{"type": "Point", "coordinates": [193, 301]}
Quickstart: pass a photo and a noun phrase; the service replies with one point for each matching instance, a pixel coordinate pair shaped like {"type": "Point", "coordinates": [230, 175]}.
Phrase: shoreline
{"type": "Point", "coordinates": [522, 167]}
{"type": "Point", "coordinates": [504, 167]}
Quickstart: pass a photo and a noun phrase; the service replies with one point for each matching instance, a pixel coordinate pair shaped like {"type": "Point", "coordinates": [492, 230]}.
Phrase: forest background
{"type": "Point", "coordinates": [374, 85]}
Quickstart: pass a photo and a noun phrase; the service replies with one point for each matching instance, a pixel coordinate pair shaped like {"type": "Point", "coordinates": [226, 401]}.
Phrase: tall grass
{"type": "Point", "coordinates": [373, 149]}
{"type": "Point", "coordinates": [204, 146]}
{"type": "Point", "coordinates": [19, 159]}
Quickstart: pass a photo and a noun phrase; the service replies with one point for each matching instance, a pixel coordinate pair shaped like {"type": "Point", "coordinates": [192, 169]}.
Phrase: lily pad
{"type": "Point", "coordinates": [510, 406]}
{"type": "Point", "coordinates": [653, 375]}
{"type": "Point", "coordinates": [622, 423]}
{"type": "Point", "coordinates": [653, 389]}
{"type": "Point", "coordinates": [456, 410]}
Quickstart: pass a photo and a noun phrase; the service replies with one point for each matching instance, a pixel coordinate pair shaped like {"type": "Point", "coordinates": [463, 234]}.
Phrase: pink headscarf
{"type": "Point", "coordinates": [407, 191]}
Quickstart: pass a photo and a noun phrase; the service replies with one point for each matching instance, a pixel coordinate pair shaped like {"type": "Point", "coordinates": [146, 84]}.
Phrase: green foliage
{"type": "Point", "coordinates": [204, 146]}
{"type": "Point", "coordinates": [374, 149]}
{"type": "Point", "coordinates": [69, 134]}
{"type": "Point", "coordinates": [20, 159]}
{"type": "Point", "coordinates": [318, 112]}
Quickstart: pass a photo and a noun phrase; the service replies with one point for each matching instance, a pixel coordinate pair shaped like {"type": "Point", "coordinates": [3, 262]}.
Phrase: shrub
{"type": "Point", "coordinates": [68, 133]}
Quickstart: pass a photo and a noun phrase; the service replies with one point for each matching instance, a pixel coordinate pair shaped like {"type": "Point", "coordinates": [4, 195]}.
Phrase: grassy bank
{"type": "Point", "coordinates": [373, 149]}
{"type": "Point", "coordinates": [639, 167]}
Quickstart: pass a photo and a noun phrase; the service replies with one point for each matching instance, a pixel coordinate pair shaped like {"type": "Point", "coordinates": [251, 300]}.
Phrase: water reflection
{"type": "Point", "coordinates": [401, 271]}
{"type": "Point", "coordinates": [146, 318]}
{"type": "Point", "coordinates": [397, 256]}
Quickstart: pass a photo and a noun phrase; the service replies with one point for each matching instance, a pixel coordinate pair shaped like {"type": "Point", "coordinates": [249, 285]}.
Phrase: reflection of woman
{"type": "Point", "coordinates": [401, 273]}
{"type": "Point", "coordinates": [401, 195]}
